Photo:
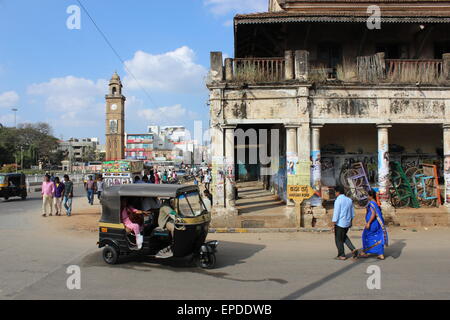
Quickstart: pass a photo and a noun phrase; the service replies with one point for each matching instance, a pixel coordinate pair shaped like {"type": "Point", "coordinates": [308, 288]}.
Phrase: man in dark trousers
{"type": "Point", "coordinates": [343, 215]}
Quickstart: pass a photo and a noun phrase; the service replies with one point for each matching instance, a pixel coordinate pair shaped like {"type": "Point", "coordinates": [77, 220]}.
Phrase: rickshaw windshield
{"type": "Point", "coordinates": [2, 179]}
{"type": "Point", "coordinates": [190, 205]}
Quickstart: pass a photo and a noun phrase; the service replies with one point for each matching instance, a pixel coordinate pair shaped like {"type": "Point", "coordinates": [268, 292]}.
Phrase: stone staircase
{"type": "Point", "coordinates": [259, 208]}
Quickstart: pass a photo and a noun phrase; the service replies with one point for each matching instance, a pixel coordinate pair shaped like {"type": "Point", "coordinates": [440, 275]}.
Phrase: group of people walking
{"type": "Point", "coordinates": [56, 194]}
{"type": "Point", "coordinates": [374, 236]}
{"type": "Point", "coordinates": [157, 177]}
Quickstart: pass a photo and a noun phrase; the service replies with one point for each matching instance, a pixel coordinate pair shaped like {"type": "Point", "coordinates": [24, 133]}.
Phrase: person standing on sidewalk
{"type": "Point", "coordinates": [48, 191]}
{"type": "Point", "coordinates": [90, 190]}
{"type": "Point", "coordinates": [99, 187]}
{"type": "Point", "coordinates": [68, 195]}
{"type": "Point", "coordinates": [343, 216]}
{"type": "Point", "coordinates": [59, 194]}
{"type": "Point", "coordinates": [207, 180]}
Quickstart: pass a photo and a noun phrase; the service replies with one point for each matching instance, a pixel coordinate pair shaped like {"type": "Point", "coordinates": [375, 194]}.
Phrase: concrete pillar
{"type": "Point", "coordinates": [229, 166]}
{"type": "Point", "coordinates": [304, 142]}
{"type": "Point", "coordinates": [217, 160]}
{"type": "Point", "coordinates": [289, 65]}
{"type": "Point", "coordinates": [446, 129]}
{"type": "Point", "coordinates": [229, 69]}
{"type": "Point", "coordinates": [316, 168]}
{"type": "Point", "coordinates": [446, 65]}
{"type": "Point", "coordinates": [383, 164]}
{"type": "Point", "coordinates": [216, 66]}
{"type": "Point", "coordinates": [291, 149]}
{"type": "Point", "coordinates": [301, 65]}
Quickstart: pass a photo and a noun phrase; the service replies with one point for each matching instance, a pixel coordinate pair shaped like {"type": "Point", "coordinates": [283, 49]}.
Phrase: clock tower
{"type": "Point", "coordinates": [115, 120]}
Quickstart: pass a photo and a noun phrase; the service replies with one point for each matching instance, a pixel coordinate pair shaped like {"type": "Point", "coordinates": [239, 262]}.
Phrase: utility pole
{"type": "Point", "coordinates": [15, 126]}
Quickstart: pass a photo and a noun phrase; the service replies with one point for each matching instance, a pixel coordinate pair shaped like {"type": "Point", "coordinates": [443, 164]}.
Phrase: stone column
{"type": "Point", "coordinates": [289, 65]}
{"type": "Point", "coordinates": [446, 65]}
{"type": "Point", "coordinates": [446, 129]}
{"type": "Point", "coordinates": [291, 150]}
{"type": "Point", "coordinates": [304, 142]}
{"type": "Point", "coordinates": [229, 166]}
{"type": "Point", "coordinates": [316, 168]}
{"type": "Point", "coordinates": [229, 69]}
{"type": "Point", "coordinates": [383, 164]}
{"type": "Point", "coordinates": [301, 65]}
{"type": "Point", "coordinates": [217, 160]}
{"type": "Point", "coordinates": [216, 66]}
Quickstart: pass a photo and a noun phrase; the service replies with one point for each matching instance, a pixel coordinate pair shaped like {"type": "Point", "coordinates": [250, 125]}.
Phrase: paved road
{"type": "Point", "coordinates": [34, 261]}
{"type": "Point", "coordinates": [29, 250]}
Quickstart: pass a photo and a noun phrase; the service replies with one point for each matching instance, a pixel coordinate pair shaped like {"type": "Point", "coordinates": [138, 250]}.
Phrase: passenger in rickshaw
{"type": "Point", "coordinates": [133, 219]}
{"type": "Point", "coordinates": [167, 216]}
{"type": "Point", "coordinates": [166, 221]}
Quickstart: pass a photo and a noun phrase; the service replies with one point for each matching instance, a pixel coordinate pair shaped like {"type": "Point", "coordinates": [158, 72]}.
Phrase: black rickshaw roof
{"type": "Point", "coordinates": [149, 190]}
{"type": "Point", "coordinates": [11, 174]}
{"type": "Point", "coordinates": [111, 196]}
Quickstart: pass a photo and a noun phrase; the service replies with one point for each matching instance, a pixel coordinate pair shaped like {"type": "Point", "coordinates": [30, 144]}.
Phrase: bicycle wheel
{"type": "Point", "coordinates": [396, 179]}
{"type": "Point", "coordinates": [400, 199]}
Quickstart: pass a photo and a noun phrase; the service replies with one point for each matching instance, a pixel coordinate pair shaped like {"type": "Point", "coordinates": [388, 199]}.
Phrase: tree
{"type": "Point", "coordinates": [33, 141]}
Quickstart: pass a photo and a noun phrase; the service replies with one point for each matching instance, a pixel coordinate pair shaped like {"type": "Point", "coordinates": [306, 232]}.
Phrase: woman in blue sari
{"type": "Point", "coordinates": [374, 236]}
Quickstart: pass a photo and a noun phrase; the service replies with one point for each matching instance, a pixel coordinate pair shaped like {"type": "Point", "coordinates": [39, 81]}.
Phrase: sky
{"type": "Point", "coordinates": [60, 75]}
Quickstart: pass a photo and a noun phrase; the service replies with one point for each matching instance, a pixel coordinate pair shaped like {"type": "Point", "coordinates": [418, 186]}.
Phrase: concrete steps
{"type": "Point", "coordinates": [259, 208]}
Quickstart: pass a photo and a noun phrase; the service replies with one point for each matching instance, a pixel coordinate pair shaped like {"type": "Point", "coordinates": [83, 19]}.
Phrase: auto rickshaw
{"type": "Point", "coordinates": [191, 222]}
{"type": "Point", "coordinates": [13, 185]}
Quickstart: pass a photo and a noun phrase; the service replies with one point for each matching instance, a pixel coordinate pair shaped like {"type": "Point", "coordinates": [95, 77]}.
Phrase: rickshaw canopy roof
{"type": "Point", "coordinates": [148, 190]}
{"type": "Point", "coordinates": [111, 196]}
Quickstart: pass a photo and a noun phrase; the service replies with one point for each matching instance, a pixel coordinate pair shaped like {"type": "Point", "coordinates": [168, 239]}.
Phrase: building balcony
{"type": "Point", "coordinates": [297, 67]}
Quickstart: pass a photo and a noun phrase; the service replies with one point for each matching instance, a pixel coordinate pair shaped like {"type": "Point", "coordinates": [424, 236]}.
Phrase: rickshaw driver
{"type": "Point", "coordinates": [127, 216]}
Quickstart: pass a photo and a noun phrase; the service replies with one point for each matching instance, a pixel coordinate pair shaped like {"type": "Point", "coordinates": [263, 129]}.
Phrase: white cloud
{"type": "Point", "coordinates": [174, 71]}
{"type": "Point", "coordinates": [9, 99]}
{"type": "Point", "coordinates": [72, 101]}
{"type": "Point", "coordinates": [167, 114]}
{"type": "Point", "coordinates": [70, 94]}
{"type": "Point", "coordinates": [223, 7]}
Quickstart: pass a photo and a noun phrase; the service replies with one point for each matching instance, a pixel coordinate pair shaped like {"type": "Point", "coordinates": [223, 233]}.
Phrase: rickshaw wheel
{"type": "Point", "coordinates": [24, 196]}
{"type": "Point", "coordinates": [110, 255]}
{"type": "Point", "coordinates": [6, 198]}
{"type": "Point", "coordinates": [210, 264]}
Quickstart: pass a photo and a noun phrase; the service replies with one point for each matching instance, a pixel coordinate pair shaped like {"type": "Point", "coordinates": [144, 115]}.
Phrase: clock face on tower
{"type": "Point", "coordinates": [114, 107]}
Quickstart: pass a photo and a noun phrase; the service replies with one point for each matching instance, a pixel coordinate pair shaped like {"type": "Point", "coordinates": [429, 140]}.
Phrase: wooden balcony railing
{"type": "Point", "coordinates": [428, 71]}
{"type": "Point", "coordinates": [376, 69]}
{"type": "Point", "coordinates": [258, 69]}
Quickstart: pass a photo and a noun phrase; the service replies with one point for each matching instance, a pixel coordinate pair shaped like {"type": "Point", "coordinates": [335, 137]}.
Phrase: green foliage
{"type": "Point", "coordinates": [9, 168]}
{"type": "Point", "coordinates": [32, 141]}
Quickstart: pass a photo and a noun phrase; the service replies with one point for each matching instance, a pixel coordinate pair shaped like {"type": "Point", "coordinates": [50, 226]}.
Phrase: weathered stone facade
{"type": "Point", "coordinates": [302, 106]}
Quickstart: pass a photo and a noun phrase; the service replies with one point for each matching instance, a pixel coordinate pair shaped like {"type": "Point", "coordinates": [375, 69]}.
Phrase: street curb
{"type": "Point", "coordinates": [273, 230]}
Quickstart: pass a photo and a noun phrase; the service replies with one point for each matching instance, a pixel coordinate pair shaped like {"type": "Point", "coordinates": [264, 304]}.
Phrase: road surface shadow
{"type": "Point", "coordinates": [229, 254]}
{"type": "Point", "coordinates": [395, 250]}
{"type": "Point", "coordinates": [398, 247]}
{"type": "Point", "coordinates": [28, 199]}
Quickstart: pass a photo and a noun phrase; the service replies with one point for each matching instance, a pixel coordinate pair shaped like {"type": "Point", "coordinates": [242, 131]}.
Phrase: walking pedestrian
{"type": "Point", "coordinates": [374, 236]}
{"type": "Point", "coordinates": [343, 216]}
{"type": "Point", "coordinates": [99, 187]}
{"type": "Point", "coordinates": [59, 194]}
{"type": "Point", "coordinates": [90, 190]}
{"type": "Point", "coordinates": [207, 180]}
{"type": "Point", "coordinates": [68, 195]}
{"type": "Point", "coordinates": [157, 178]}
{"type": "Point", "coordinates": [48, 191]}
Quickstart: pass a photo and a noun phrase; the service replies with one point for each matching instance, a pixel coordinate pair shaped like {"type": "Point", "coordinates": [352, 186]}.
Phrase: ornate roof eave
{"type": "Point", "coordinates": [330, 18]}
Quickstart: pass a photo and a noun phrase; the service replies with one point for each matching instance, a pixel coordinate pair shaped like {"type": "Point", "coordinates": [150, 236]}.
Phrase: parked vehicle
{"type": "Point", "coordinates": [13, 185]}
{"type": "Point", "coordinates": [191, 224]}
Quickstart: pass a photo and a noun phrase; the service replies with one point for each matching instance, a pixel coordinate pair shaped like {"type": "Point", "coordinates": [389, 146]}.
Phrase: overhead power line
{"type": "Point", "coordinates": [116, 53]}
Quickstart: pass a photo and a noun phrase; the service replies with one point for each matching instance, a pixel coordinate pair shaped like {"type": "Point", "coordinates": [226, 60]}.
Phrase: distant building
{"type": "Point", "coordinates": [139, 146]}
{"type": "Point", "coordinates": [77, 149]}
